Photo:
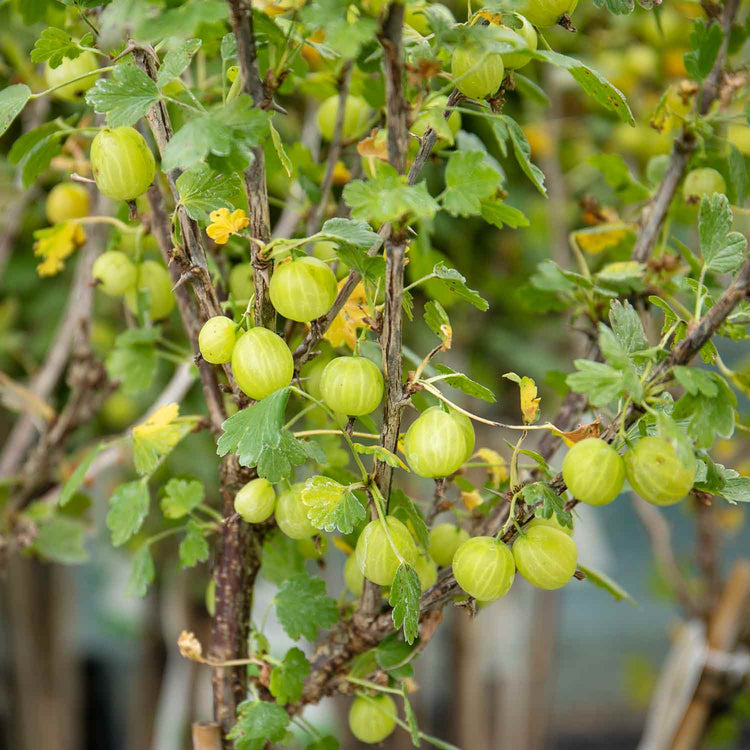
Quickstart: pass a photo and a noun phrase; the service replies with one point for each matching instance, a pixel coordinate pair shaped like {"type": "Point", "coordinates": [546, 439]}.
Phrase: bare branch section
{"type": "Point", "coordinates": [653, 215]}
{"type": "Point", "coordinates": [334, 152]}
{"type": "Point", "coordinates": [396, 107]}
{"type": "Point", "coordinates": [255, 175]}
{"type": "Point", "coordinates": [193, 260]}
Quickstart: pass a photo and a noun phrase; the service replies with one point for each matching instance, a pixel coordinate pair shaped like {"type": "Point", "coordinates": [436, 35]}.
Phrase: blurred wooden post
{"type": "Point", "coordinates": [206, 736]}
{"type": "Point", "coordinates": [727, 621]}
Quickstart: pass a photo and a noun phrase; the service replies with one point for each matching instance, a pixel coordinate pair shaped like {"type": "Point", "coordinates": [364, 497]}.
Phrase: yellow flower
{"type": "Point", "coordinates": [224, 224]}
{"type": "Point", "coordinates": [55, 244]}
{"type": "Point", "coordinates": [343, 330]}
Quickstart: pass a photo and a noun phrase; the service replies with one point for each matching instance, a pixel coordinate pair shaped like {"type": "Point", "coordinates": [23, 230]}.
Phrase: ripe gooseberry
{"type": "Point", "coordinates": [700, 182]}
{"type": "Point", "coordinates": [216, 339]}
{"type": "Point", "coordinates": [487, 71]}
{"type": "Point", "coordinates": [356, 117]}
{"type": "Point", "coordinates": [351, 385]}
{"type": "Point", "coordinates": [547, 12]}
{"type": "Point", "coordinates": [291, 514]}
{"type": "Point", "coordinates": [656, 473]}
{"type": "Point", "coordinates": [353, 577]}
{"type": "Point", "coordinates": [115, 272]}
{"type": "Point", "coordinates": [261, 363]}
{"type": "Point", "coordinates": [67, 201]}
{"type": "Point", "coordinates": [241, 282]}
{"type": "Point", "coordinates": [438, 442]}
{"type": "Point", "coordinates": [86, 62]}
{"type": "Point", "coordinates": [426, 571]}
{"type": "Point", "coordinates": [371, 720]}
{"type": "Point", "coordinates": [154, 279]}
{"type": "Point", "coordinates": [484, 568]}
{"type": "Point", "coordinates": [524, 29]}
{"type": "Point", "coordinates": [552, 522]}
{"type": "Point", "coordinates": [593, 471]}
{"type": "Point", "coordinates": [376, 558]}
{"type": "Point", "coordinates": [303, 289]}
{"type": "Point", "coordinates": [545, 557]}
{"type": "Point", "coordinates": [122, 163]}
{"type": "Point", "coordinates": [255, 502]}
{"type": "Point", "coordinates": [445, 539]}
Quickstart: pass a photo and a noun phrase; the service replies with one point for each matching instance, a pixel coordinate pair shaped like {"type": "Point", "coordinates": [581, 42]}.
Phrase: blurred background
{"type": "Point", "coordinates": [83, 666]}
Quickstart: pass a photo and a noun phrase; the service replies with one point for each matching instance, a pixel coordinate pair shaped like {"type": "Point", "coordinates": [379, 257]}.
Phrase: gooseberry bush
{"type": "Point", "coordinates": [248, 187]}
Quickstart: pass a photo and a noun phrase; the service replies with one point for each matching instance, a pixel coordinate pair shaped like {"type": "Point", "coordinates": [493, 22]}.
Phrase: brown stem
{"type": "Point", "coordinates": [255, 175]}
{"type": "Point", "coordinates": [334, 151]}
{"type": "Point", "coordinates": [397, 109]}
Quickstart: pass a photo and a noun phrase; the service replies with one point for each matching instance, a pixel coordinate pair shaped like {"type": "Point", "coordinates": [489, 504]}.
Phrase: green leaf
{"type": "Point", "coordinates": [12, 101]}
{"type": "Point", "coordinates": [388, 197]}
{"type": "Point", "coordinates": [193, 547]}
{"type": "Point", "coordinates": [324, 743]}
{"type": "Point", "coordinates": [627, 327]}
{"type": "Point", "coordinates": [403, 507]}
{"type": "Point", "coordinates": [736, 490]}
{"type": "Point", "coordinates": [469, 179]}
{"type": "Point", "coordinates": [707, 417]}
{"type": "Point", "coordinates": [39, 159]}
{"type": "Point", "coordinates": [598, 381]}
{"type": "Point", "coordinates": [738, 176]}
{"type": "Point", "coordinates": [393, 656]}
{"type": "Point", "coordinates": [176, 60]}
{"type": "Point", "coordinates": [278, 145]}
{"type": "Point", "coordinates": [548, 502]}
{"type": "Point", "coordinates": [142, 572]}
{"type": "Point", "coordinates": [618, 177]}
{"type": "Point", "coordinates": [75, 480]}
{"type": "Point", "coordinates": [357, 233]}
{"type": "Point", "coordinates": [457, 284]}
{"type": "Point", "coordinates": [203, 190]}
{"type": "Point", "coordinates": [371, 268]}
{"type": "Point", "coordinates": [125, 97]}
{"type": "Point", "coordinates": [722, 250]}
{"type": "Point", "coordinates": [181, 496]}
{"type": "Point", "coordinates": [228, 46]}
{"type": "Point", "coordinates": [705, 42]}
{"type": "Point", "coordinates": [180, 21]}
{"type": "Point", "coordinates": [696, 381]}
{"type": "Point", "coordinates": [53, 45]}
{"type": "Point", "coordinates": [603, 581]}
{"type": "Point", "coordinates": [288, 677]}
{"type": "Point", "coordinates": [405, 593]}
{"type": "Point", "coordinates": [344, 35]}
{"type": "Point", "coordinates": [25, 144]}
{"type": "Point", "coordinates": [381, 454]}
{"type": "Point", "coordinates": [505, 128]}
{"type": "Point", "coordinates": [437, 320]}
{"type": "Point", "coordinates": [61, 540]}
{"type": "Point", "coordinates": [280, 558]}
{"type": "Point", "coordinates": [128, 510]}
{"type": "Point", "coordinates": [331, 506]}
{"type": "Point", "coordinates": [595, 85]}
{"type": "Point", "coordinates": [465, 384]}
{"type": "Point", "coordinates": [617, 7]}
{"type": "Point", "coordinates": [499, 214]}
{"type": "Point", "coordinates": [302, 607]}
{"type": "Point", "coordinates": [218, 132]}
{"type": "Point", "coordinates": [258, 723]}
{"type": "Point", "coordinates": [256, 434]}
{"type": "Point", "coordinates": [132, 361]}
{"type": "Point", "coordinates": [530, 90]}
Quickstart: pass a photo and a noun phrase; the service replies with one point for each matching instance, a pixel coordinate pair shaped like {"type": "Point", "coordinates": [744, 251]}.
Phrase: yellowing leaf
{"type": "Point", "coordinates": [351, 317]}
{"type": "Point", "coordinates": [342, 545]}
{"type": "Point", "coordinates": [471, 499]}
{"type": "Point", "coordinates": [496, 468]}
{"type": "Point", "coordinates": [529, 400]}
{"type": "Point", "coordinates": [341, 175]}
{"type": "Point", "coordinates": [158, 435]}
{"type": "Point", "coordinates": [19, 398]}
{"type": "Point", "coordinates": [223, 224]}
{"type": "Point", "coordinates": [55, 244]}
{"type": "Point", "coordinates": [598, 239]}
{"type": "Point", "coordinates": [581, 432]}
